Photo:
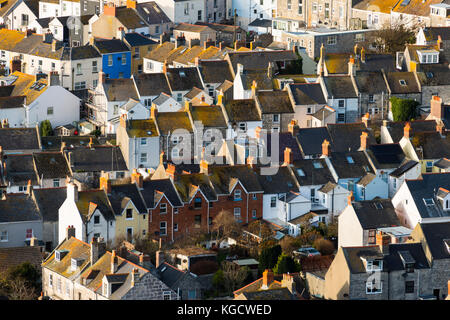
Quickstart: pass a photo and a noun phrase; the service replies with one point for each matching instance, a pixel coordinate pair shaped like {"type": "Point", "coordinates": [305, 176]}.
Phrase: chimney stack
{"type": "Point", "coordinates": [197, 61]}
{"type": "Point", "coordinates": [326, 149]}
{"type": "Point", "coordinates": [101, 77]}
{"type": "Point", "coordinates": [153, 112]}
{"type": "Point", "coordinates": [287, 156]}
{"type": "Point", "coordinates": [254, 88]}
{"type": "Point", "coordinates": [366, 119]}
{"type": "Point", "coordinates": [91, 143]}
{"type": "Point", "coordinates": [363, 55]}
{"type": "Point", "coordinates": [113, 262]}
{"type": "Point", "coordinates": [134, 276]}
{"type": "Point", "coordinates": [293, 127]}
{"type": "Point", "coordinates": [98, 249]}
{"type": "Point", "coordinates": [105, 183]}
{"type": "Point", "coordinates": [159, 258]}
{"type": "Point", "coordinates": [267, 279]}
{"type": "Point", "coordinates": [288, 282]}
{"type": "Point", "coordinates": [161, 157]}
{"type": "Point", "coordinates": [440, 128]}
{"type": "Point", "coordinates": [407, 130]}
{"type": "Point", "coordinates": [137, 178]}
{"type": "Point", "coordinates": [72, 191]}
{"type": "Point", "coordinates": [54, 45]}
{"type": "Point", "coordinates": [131, 4]}
{"type": "Point", "coordinates": [70, 232]}
{"type": "Point", "coordinates": [141, 259]}
{"type": "Point", "coordinates": [269, 70]}
{"type": "Point", "coordinates": [123, 121]}
{"type": "Point", "coordinates": [29, 188]}
{"type": "Point", "coordinates": [220, 98]}
{"type": "Point", "coordinates": [109, 9]}
{"type": "Point", "coordinates": [350, 198]}
{"type": "Point", "coordinates": [251, 161]}
{"type": "Point", "coordinates": [436, 107]}
{"type": "Point", "coordinates": [165, 66]}
{"type": "Point", "coordinates": [364, 138]}
{"type": "Point", "coordinates": [351, 67]}
{"type": "Point", "coordinates": [439, 42]}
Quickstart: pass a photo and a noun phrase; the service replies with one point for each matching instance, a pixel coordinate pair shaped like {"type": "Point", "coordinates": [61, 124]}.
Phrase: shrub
{"type": "Point", "coordinates": [325, 247]}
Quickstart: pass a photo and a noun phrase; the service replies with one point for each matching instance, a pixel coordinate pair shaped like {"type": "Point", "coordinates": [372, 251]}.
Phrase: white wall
{"type": "Point", "coordinates": [15, 116]}
{"type": "Point", "coordinates": [350, 232]}
{"type": "Point", "coordinates": [135, 150]}
{"type": "Point", "coordinates": [104, 227]}
{"type": "Point", "coordinates": [68, 215]}
{"type": "Point", "coordinates": [66, 107]}
{"type": "Point", "coordinates": [51, 10]}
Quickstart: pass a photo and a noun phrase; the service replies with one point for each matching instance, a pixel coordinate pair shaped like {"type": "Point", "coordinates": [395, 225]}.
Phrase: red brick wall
{"type": "Point", "coordinates": [186, 215]}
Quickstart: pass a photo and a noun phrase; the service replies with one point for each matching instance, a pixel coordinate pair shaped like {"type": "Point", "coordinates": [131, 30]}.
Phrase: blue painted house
{"type": "Point", "coordinates": [116, 58]}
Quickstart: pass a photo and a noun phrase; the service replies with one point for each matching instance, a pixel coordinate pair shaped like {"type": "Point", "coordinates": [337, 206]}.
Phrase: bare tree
{"type": "Point", "coordinates": [233, 275]}
{"type": "Point", "coordinates": [226, 225]}
{"type": "Point", "coordinates": [19, 290]}
{"type": "Point", "coordinates": [392, 38]}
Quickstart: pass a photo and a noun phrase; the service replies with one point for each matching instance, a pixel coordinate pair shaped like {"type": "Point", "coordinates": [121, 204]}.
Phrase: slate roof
{"type": "Point", "coordinates": [403, 168]}
{"type": "Point", "coordinates": [263, 82]}
{"type": "Point", "coordinates": [170, 121]}
{"type": "Point", "coordinates": [121, 194]}
{"type": "Point", "coordinates": [53, 143]}
{"type": "Point", "coordinates": [285, 140]}
{"type": "Point", "coordinates": [281, 182]}
{"type": "Point", "coordinates": [415, 251]}
{"type": "Point", "coordinates": [411, 86]}
{"type": "Point", "coordinates": [183, 79]}
{"type": "Point", "coordinates": [344, 169]}
{"type": "Point", "coordinates": [432, 33]}
{"type": "Point", "coordinates": [19, 170]}
{"type": "Point", "coordinates": [328, 187]}
{"type": "Point", "coordinates": [163, 97]}
{"type": "Point", "coordinates": [307, 93]}
{"type": "Point", "coordinates": [377, 213]}
{"type": "Point", "coordinates": [223, 178]}
{"type": "Point", "coordinates": [347, 136]}
{"type": "Point", "coordinates": [188, 56]}
{"type": "Point", "coordinates": [90, 200]}
{"type": "Point", "coordinates": [434, 74]}
{"type": "Point", "coordinates": [353, 257]}
{"type": "Point", "coordinates": [312, 175]}
{"type": "Point", "coordinates": [161, 52]}
{"type": "Point", "coordinates": [386, 156]}
{"type": "Point", "coordinates": [371, 82]}
{"type": "Point", "coordinates": [170, 275]}
{"type": "Point", "coordinates": [142, 128]}
{"type": "Point", "coordinates": [135, 39]}
{"type": "Point", "coordinates": [18, 207]}
{"type": "Point", "coordinates": [130, 18]}
{"type": "Point", "coordinates": [151, 84]}
{"type": "Point", "coordinates": [443, 163]}
{"type": "Point", "coordinates": [152, 13]}
{"type": "Point", "coordinates": [19, 139]}
{"type": "Point", "coordinates": [242, 110]}
{"type": "Point", "coordinates": [187, 186]}
{"type": "Point", "coordinates": [340, 87]}
{"type": "Point", "coordinates": [12, 257]}
{"type": "Point", "coordinates": [257, 60]}
{"type": "Point", "coordinates": [310, 140]}
{"type": "Point", "coordinates": [435, 234]}
{"type": "Point", "coordinates": [51, 165]}
{"type": "Point", "coordinates": [120, 89]}
{"type": "Point", "coordinates": [395, 129]}
{"type": "Point", "coordinates": [191, 27]}
{"type": "Point", "coordinates": [272, 294]}
{"type": "Point", "coordinates": [215, 71]}
{"type": "Point", "coordinates": [150, 187]}
{"type": "Point", "coordinates": [263, 23]}
{"type": "Point", "coordinates": [426, 188]}
{"type": "Point", "coordinates": [49, 200]}
{"type": "Point", "coordinates": [105, 46]}
{"type": "Point", "coordinates": [433, 145]}
{"type": "Point", "coordinates": [97, 158]}
{"type": "Point", "coordinates": [210, 116]}
{"type": "Point", "coordinates": [274, 102]}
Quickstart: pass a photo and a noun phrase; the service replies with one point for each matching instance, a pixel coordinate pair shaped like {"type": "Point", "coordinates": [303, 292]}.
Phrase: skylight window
{"type": "Point", "coordinates": [402, 82]}
{"type": "Point", "coordinates": [429, 202]}
{"type": "Point", "coordinates": [350, 159]}
{"type": "Point", "coordinates": [301, 172]}
{"type": "Point", "coordinates": [317, 165]}
{"type": "Point", "coordinates": [378, 205]}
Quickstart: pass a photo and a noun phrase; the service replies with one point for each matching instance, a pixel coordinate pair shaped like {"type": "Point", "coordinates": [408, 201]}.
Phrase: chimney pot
{"type": "Point", "coordinates": [364, 139]}
{"type": "Point", "coordinates": [287, 156]}
{"type": "Point", "coordinates": [326, 149]}
{"type": "Point", "coordinates": [267, 279]}
{"type": "Point", "coordinates": [407, 130]}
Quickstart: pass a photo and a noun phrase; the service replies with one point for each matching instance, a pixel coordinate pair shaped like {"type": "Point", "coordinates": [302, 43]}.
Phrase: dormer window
{"type": "Point", "coordinates": [75, 263]}
{"type": "Point", "coordinates": [300, 172]}
{"type": "Point", "coordinates": [374, 265]}
{"type": "Point", "coordinates": [60, 254]}
{"type": "Point", "coordinates": [428, 56]}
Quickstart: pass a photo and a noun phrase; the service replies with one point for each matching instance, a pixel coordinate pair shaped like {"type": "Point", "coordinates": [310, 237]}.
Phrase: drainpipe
{"type": "Point", "coordinates": [247, 207]}
{"type": "Point", "coordinates": [207, 216]}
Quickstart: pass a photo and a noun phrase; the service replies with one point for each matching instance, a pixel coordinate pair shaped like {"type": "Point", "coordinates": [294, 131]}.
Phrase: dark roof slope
{"type": "Point", "coordinates": [310, 140]}
{"type": "Point", "coordinates": [51, 165]}
{"type": "Point", "coordinates": [356, 167]}
{"type": "Point", "coordinates": [12, 257]}
{"type": "Point", "coordinates": [121, 194]}
{"type": "Point", "coordinates": [313, 172]}
{"type": "Point", "coordinates": [377, 213]}
{"type": "Point", "coordinates": [151, 84]}
{"type": "Point", "coordinates": [386, 156]}
{"type": "Point", "coordinates": [353, 257]}
{"type": "Point", "coordinates": [435, 234]}
{"type": "Point", "coordinates": [49, 200]}
{"type": "Point", "coordinates": [395, 129]}
{"type": "Point", "coordinates": [97, 158]}
{"type": "Point", "coordinates": [183, 79]}
{"type": "Point", "coordinates": [347, 136]}
{"type": "Point", "coordinates": [307, 93]}
{"type": "Point", "coordinates": [19, 139]}
{"type": "Point", "coordinates": [340, 87]}
{"type": "Point", "coordinates": [120, 89]}
{"type": "Point", "coordinates": [18, 207]}
{"type": "Point", "coordinates": [110, 45]}
{"type": "Point", "coordinates": [151, 187]}
{"type": "Point", "coordinates": [152, 13]}
{"type": "Point", "coordinates": [398, 251]}
{"type": "Point", "coordinates": [215, 71]}
{"type": "Point", "coordinates": [242, 110]}
{"type": "Point", "coordinates": [136, 39]}
{"type": "Point", "coordinates": [274, 102]}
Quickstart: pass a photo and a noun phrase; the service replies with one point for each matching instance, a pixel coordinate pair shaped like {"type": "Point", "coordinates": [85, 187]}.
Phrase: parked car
{"type": "Point", "coordinates": [307, 251]}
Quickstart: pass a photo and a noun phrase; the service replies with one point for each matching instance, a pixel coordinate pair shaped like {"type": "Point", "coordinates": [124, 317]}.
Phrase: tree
{"type": "Point", "coordinates": [394, 37]}
{"type": "Point", "coordinates": [325, 247]}
{"type": "Point", "coordinates": [403, 109]}
{"type": "Point", "coordinates": [260, 229]}
{"type": "Point", "coordinates": [27, 272]}
{"type": "Point", "coordinates": [288, 244]}
{"type": "Point", "coordinates": [226, 225]}
{"type": "Point", "coordinates": [285, 264]}
{"type": "Point", "coordinates": [46, 128]}
{"type": "Point", "coordinates": [233, 275]}
{"type": "Point", "coordinates": [269, 257]}
{"type": "Point", "coordinates": [218, 280]}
